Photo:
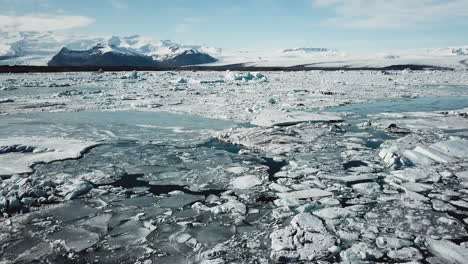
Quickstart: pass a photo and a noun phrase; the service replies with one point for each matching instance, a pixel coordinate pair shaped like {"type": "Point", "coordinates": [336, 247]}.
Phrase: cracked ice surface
{"type": "Point", "coordinates": [386, 184]}
{"type": "Point", "coordinates": [17, 154]}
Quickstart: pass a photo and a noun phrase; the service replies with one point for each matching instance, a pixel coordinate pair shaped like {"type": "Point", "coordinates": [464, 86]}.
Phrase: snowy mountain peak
{"type": "Point", "coordinates": [37, 48]}
{"type": "Point", "coordinates": [460, 51]}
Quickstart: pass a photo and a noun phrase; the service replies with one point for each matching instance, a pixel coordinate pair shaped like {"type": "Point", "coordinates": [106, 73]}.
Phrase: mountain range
{"type": "Point", "coordinates": [47, 48]}
{"type": "Point", "coordinates": [55, 49]}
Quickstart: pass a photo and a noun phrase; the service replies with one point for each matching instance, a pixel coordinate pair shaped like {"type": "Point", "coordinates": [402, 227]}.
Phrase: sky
{"type": "Point", "coordinates": [348, 25]}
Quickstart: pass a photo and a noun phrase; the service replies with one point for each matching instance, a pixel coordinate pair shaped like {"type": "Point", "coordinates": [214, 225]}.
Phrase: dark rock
{"type": "Point", "coordinates": [96, 57]}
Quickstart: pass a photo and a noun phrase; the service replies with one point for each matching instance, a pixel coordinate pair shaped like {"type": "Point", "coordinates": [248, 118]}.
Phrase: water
{"type": "Point", "coordinates": [422, 104]}
{"type": "Point", "coordinates": [353, 164]}
{"type": "Point", "coordinates": [160, 153]}
{"type": "Point", "coordinates": [146, 156]}
{"type": "Point", "coordinates": [167, 152]}
{"type": "Point", "coordinates": [110, 125]}
{"type": "Point", "coordinates": [130, 181]}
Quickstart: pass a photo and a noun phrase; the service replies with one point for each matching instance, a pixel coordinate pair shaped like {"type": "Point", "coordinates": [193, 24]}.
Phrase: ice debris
{"type": "Point", "coordinates": [279, 118]}
{"type": "Point", "coordinates": [245, 77]}
{"type": "Point", "coordinates": [447, 250]}
{"type": "Point", "coordinates": [441, 152]}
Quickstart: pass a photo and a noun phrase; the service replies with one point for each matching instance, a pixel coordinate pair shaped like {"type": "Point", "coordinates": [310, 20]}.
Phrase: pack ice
{"type": "Point", "coordinates": [234, 167]}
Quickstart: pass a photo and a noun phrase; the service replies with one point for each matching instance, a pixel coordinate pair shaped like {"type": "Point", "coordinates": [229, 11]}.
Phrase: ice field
{"type": "Point", "coordinates": [234, 167]}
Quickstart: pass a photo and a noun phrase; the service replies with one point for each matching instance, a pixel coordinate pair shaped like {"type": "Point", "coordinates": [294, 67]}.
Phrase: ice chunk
{"type": "Point", "coordinates": [334, 213]}
{"type": "Point", "coordinates": [304, 194]}
{"type": "Point", "coordinates": [213, 234]}
{"type": "Point", "coordinates": [278, 188]}
{"type": "Point", "coordinates": [285, 256]}
{"type": "Point", "coordinates": [237, 170]}
{"type": "Point", "coordinates": [78, 189]}
{"type": "Point", "coordinates": [68, 211]}
{"type": "Point", "coordinates": [180, 81]}
{"type": "Point", "coordinates": [415, 196]}
{"type": "Point", "coordinates": [359, 252]}
{"type": "Point", "coordinates": [180, 238]}
{"type": "Point", "coordinates": [417, 175]}
{"type": "Point", "coordinates": [435, 154]}
{"type": "Point", "coordinates": [6, 100]}
{"type": "Point", "coordinates": [232, 205]}
{"type": "Point", "coordinates": [351, 178]}
{"type": "Point", "coordinates": [460, 203]}
{"type": "Point", "coordinates": [448, 250]}
{"type": "Point", "coordinates": [180, 200]}
{"type": "Point", "coordinates": [392, 242]}
{"type": "Point", "coordinates": [282, 239]}
{"type": "Point", "coordinates": [214, 253]}
{"type": "Point", "coordinates": [277, 140]}
{"type": "Point", "coordinates": [442, 152]}
{"type": "Point", "coordinates": [315, 245]}
{"type": "Point", "coordinates": [457, 148]}
{"type": "Point", "coordinates": [462, 175]}
{"type": "Point", "coordinates": [417, 158]}
{"type": "Point", "coordinates": [98, 224]}
{"type": "Point", "coordinates": [76, 239]}
{"type": "Point", "coordinates": [58, 149]}
{"type": "Point", "coordinates": [278, 118]}
{"type": "Point", "coordinates": [246, 182]}
{"type": "Point", "coordinates": [249, 76]}
{"type": "Point", "coordinates": [290, 244]}
{"type": "Point", "coordinates": [416, 221]}
{"type": "Point", "coordinates": [308, 223]}
{"type": "Point", "coordinates": [135, 236]}
{"type": "Point", "coordinates": [416, 187]}
{"type": "Point", "coordinates": [35, 253]}
{"type": "Point", "coordinates": [406, 254]}
{"type": "Point", "coordinates": [368, 188]}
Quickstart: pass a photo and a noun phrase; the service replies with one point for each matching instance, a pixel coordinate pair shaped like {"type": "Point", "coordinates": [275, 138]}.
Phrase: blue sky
{"type": "Point", "coordinates": [350, 25]}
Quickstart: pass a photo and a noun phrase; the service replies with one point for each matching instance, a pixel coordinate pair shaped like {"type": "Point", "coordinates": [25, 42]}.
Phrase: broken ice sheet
{"type": "Point", "coordinates": [323, 204]}
{"type": "Point", "coordinates": [76, 239]}
{"type": "Point", "coordinates": [423, 221]}
{"type": "Point", "coordinates": [179, 200]}
{"type": "Point", "coordinates": [17, 155]}
{"type": "Point", "coordinates": [278, 118]}
{"type": "Point", "coordinates": [447, 250]}
{"type": "Point", "coordinates": [277, 140]}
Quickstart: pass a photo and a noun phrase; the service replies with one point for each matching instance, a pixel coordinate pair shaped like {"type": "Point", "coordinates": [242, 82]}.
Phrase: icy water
{"type": "Point", "coordinates": [161, 152]}
{"type": "Point", "coordinates": [109, 125]}
{"type": "Point", "coordinates": [422, 104]}
{"type": "Point", "coordinates": [172, 157]}
{"type": "Point", "coordinates": [161, 188]}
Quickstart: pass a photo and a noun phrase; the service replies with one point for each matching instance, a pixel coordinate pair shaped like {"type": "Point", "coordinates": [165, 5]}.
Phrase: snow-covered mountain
{"type": "Point", "coordinates": [38, 48]}
{"type": "Point", "coordinates": [452, 57]}
{"type": "Point", "coordinates": [308, 50]}
{"type": "Point", "coordinates": [113, 55]}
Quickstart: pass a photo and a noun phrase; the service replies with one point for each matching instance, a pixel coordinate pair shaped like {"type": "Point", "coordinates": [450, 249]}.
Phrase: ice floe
{"type": "Point", "coordinates": [17, 155]}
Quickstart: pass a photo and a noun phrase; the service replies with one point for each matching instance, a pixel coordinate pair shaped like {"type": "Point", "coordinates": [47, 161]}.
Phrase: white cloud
{"type": "Point", "coordinates": [42, 23]}
{"type": "Point", "coordinates": [392, 14]}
